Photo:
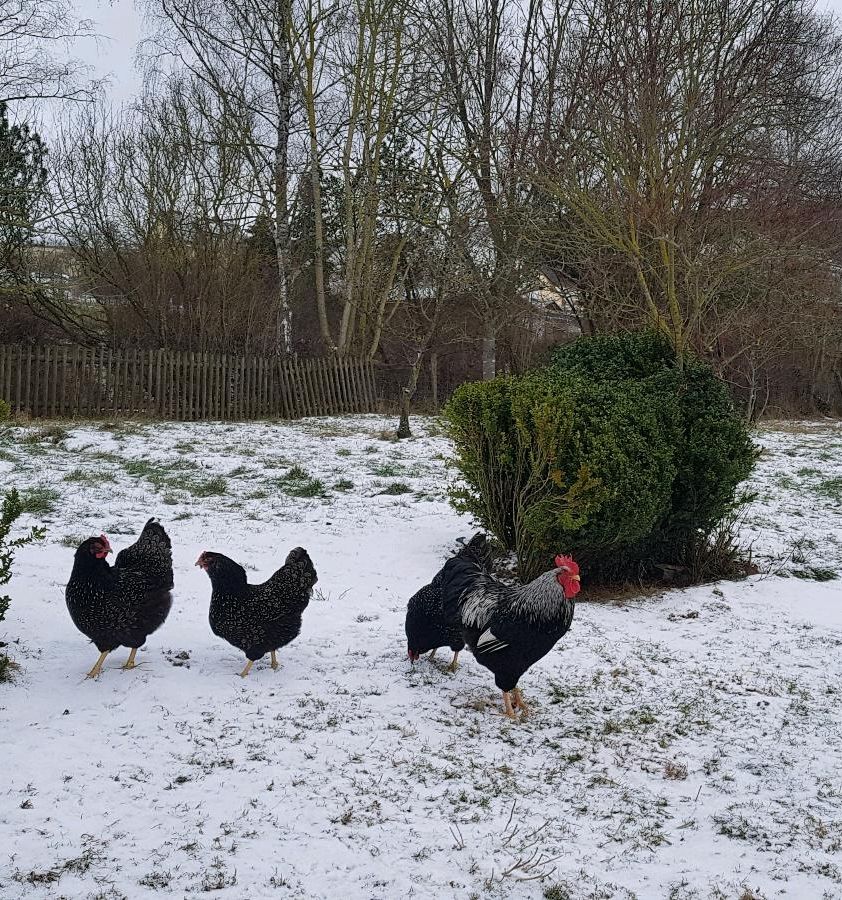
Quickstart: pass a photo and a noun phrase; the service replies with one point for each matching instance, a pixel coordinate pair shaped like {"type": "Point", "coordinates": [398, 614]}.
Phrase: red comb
{"type": "Point", "coordinates": [568, 562]}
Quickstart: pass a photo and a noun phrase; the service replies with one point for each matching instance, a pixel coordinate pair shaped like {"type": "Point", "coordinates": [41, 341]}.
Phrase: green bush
{"type": "Point", "coordinates": [714, 452]}
{"type": "Point", "coordinates": [611, 452]}
{"type": "Point", "coordinates": [10, 511]}
{"type": "Point", "coordinates": [5, 410]}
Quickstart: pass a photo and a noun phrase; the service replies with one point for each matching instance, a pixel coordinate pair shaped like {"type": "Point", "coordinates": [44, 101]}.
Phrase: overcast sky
{"type": "Point", "coordinates": [121, 25]}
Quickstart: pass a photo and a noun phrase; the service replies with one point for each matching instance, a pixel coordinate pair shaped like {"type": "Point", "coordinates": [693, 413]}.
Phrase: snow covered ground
{"type": "Point", "coordinates": [687, 745]}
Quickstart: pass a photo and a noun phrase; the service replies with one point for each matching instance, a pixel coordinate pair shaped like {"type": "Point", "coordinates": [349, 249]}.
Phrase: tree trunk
{"type": "Point", "coordinates": [281, 182]}
{"type": "Point", "coordinates": [489, 353]}
{"type": "Point", "coordinates": [407, 394]}
{"type": "Point", "coordinates": [403, 425]}
{"type": "Point", "coordinates": [434, 379]}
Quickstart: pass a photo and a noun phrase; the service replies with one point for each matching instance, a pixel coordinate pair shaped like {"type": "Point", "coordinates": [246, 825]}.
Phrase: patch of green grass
{"type": "Point", "coordinates": [396, 488]}
{"type": "Point", "coordinates": [370, 448]}
{"type": "Point", "coordinates": [386, 470]}
{"type": "Point", "coordinates": [258, 495]}
{"type": "Point", "coordinates": [832, 488]}
{"type": "Point", "coordinates": [210, 487]}
{"type": "Point", "coordinates": [39, 500]}
{"type": "Point", "coordinates": [49, 434]}
{"type": "Point", "coordinates": [343, 484]}
{"type": "Point", "coordinates": [296, 473]}
{"type": "Point", "coordinates": [142, 468]}
{"type": "Point", "coordinates": [343, 451]}
{"type": "Point", "coordinates": [73, 540]}
{"type": "Point", "coordinates": [815, 573]}
{"type": "Point", "coordinates": [240, 471]}
{"type": "Point", "coordinates": [808, 472]}
{"type": "Point", "coordinates": [88, 476]}
{"type": "Point", "coordinates": [309, 487]}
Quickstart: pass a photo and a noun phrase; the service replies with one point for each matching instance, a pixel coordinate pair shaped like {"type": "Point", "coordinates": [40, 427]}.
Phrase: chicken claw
{"type": "Point", "coordinates": [454, 663]}
{"type": "Point", "coordinates": [98, 665]}
{"type": "Point", "coordinates": [519, 702]}
{"type": "Point", "coordinates": [130, 663]}
{"type": "Point", "coordinates": [274, 662]}
{"type": "Point", "coordinates": [507, 703]}
{"type": "Point", "coordinates": [247, 669]}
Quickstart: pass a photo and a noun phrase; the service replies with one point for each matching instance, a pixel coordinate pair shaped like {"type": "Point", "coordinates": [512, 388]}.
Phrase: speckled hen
{"type": "Point", "coordinates": [258, 618]}
{"type": "Point", "coordinates": [121, 605]}
{"type": "Point", "coordinates": [427, 628]}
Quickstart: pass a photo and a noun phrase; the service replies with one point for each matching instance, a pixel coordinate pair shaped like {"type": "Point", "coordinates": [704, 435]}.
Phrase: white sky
{"type": "Point", "coordinates": [120, 22]}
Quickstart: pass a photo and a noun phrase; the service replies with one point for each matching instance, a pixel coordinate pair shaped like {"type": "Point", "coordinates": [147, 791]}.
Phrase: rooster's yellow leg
{"type": "Point", "coordinates": [519, 702]}
{"type": "Point", "coordinates": [454, 663]}
{"type": "Point", "coordinates": [507, 703]}
{"type": "Point", "coordinates": [274, 660]}
{"type": "Point", "coordinates": [130, 663]}
{"type": "Point", "coordinates": [247, 669]}
{"type": "Point", "coordinates": [433, 653]}
{"type": "Point", "coordinates": [98, 665]}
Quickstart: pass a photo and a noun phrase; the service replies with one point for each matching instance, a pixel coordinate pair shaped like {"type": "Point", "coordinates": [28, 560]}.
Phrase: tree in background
{"type": "Point", "coordinates": [701, 172]}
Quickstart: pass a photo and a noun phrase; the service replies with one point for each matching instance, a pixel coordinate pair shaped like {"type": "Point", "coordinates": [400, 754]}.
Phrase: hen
{"type": "Point", "coordinates": [121, 605]}
{"type": "Point", "coordinates": [509, 628]}
{"type": "Point", "coordinates": [258, 618]}
{"type": "Point", "coordinates": [427, 628]}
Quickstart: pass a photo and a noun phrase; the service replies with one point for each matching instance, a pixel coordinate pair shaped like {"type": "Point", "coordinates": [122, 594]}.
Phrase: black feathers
{"type": "Point", "coordinates": [259, 618]}
{"type": "Point", "coordinates": [508, 628]}
{"type": "Point", "coordinates": [121, 605]}
{"type": "Point", "coordinates": [428, 625]}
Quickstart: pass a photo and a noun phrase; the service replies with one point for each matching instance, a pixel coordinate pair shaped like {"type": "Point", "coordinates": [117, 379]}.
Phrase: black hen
{"type": "Point", "coordinates": [258, 618]}
{"type": "Point", "coordinates": [427, 627]}
{"type": "Point", "coordinates": [121, 605]}
{"type": "Point", "coordinates": [509, 628]}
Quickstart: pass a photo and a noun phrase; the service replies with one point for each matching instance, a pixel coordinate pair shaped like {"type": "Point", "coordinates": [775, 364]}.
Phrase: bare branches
{"type": "Point", "coordinates": [36, 38]}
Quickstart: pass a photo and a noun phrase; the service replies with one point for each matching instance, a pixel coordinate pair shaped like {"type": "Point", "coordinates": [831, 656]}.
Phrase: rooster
{"type": "Point", "coordinates": [258, 618]}
{"type": "Point", "coordinates": [509, 628]}
{"type": "Point", "coordinates": [121, 605]}
{"type": "Point", "coordinates": [427, 627]}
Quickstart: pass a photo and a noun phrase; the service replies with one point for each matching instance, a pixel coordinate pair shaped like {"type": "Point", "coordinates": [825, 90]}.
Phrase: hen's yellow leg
{"type": "Point", "coordinates": [274, 660]}
{"type": "Point", "coordinates": [507, 704]}
{"type": "Point", "coordinates": [519, 702]}
{"type": "Point", "coordinates": [130, 663]}
{"type": "Point", "coordinates": [98, 665]}
{"type": "Point", "coordinates": [247, 669]}
{"type": "Point", "coordinates": [454, 663]}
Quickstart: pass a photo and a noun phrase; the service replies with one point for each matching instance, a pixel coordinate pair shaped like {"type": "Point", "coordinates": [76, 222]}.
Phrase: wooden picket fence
{"type": "Point", "coordinates": [81, 382]}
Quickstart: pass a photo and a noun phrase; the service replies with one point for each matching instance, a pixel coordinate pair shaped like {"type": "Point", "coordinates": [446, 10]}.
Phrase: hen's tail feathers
{"type": "Point", "coordinates": [151, 554]}
{"type": "Point", "coordinates": [299, 559]}
{"type": "Point", "coordinates": [153, 530]}
{"type": "Point", "coordinates": [457, 577]}
{"type": "Point", "coordinates": [477, 550]}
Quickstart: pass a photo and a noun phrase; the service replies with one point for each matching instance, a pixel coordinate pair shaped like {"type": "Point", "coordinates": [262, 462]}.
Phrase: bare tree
{"type": "Point", "coordinates": [697, 119]}
{"type": "Point", "coordinates": [36, 39]}
{"type": "Point", "coordinates": [241, 51]}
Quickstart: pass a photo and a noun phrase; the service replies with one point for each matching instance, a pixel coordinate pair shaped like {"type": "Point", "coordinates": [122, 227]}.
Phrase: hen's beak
{"type": "Point", "coordinates": [575, 578]}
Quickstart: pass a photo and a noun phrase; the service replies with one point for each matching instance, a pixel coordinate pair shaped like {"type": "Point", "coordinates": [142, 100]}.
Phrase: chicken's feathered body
{"type": "Point", "coordinates": [508, 628]}
{"type": "Point", "coordinates": [427, 627]}
{"type": "Point", "coordinates": [121, 605]}
{"type": "Point", "coordinates": [259, 618]}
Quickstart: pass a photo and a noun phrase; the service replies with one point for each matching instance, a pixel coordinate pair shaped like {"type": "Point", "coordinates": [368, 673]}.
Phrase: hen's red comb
{"type": "Point", "coordinates": [568, 562]}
